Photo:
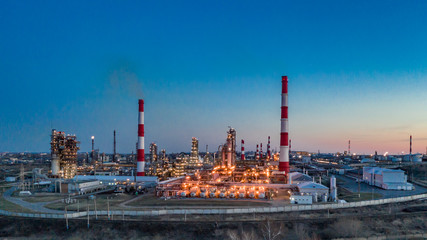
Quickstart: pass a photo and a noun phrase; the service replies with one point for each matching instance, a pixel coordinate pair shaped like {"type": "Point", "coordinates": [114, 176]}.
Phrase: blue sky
{"type": "Point", "coordinates": [357, 70]}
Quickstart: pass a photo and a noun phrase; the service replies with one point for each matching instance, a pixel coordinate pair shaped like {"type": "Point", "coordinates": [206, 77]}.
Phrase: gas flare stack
{"type": "Point", "coordinates": [140, 164]}
{"type": "Point", "coordinates": [284, 133]}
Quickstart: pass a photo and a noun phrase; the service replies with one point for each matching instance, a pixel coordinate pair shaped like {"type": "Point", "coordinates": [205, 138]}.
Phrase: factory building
{"type": "Point", "coordinates": [64, 154]}
{"type": "Point", "coordinates": [179, 166]}
{"type": "Point", "coordinates": [417, 158]}
{"type": "Point", "coordinates": [298, 178]}
{"type": "Point", "coordinates": [153, 152]}
{"type": "Point", "coordinates": [389, 179]}
{"type": "Point", "coordinates": [301, 199]}
{"type": "Point", "coordinates": [119, 181]}
{"type": "Point", "coordinates": [315, 190]}
{"type": "Point", "coordinates": [85, 186]}
{"type": "Point", "coordinates": [193, 161]}
{"type": "Point", "coordinates": [228, 151]}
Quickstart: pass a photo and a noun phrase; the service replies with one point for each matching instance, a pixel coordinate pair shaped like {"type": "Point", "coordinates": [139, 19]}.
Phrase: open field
{"type": "Point", "coordinates": [354, 197]}
{"type": "Point", "coordinates": [177, 203]}
{"type": "Point", "coordinates": [119, 202]}
{"type": "Point", "coordinates": [102, 201]}
{"type": "Point", "coordinates": [37, 198]}
{"type": "Point", "coordinates": [11, 207]}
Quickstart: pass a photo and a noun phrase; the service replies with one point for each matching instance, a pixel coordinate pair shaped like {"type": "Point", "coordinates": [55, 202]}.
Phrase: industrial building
{"type": "Point", "coordinates": [316, 190]}
{"type": "Point", "coordinates": [297, 178]}
{"type": "Point", "coordinates": [389, 179]}
{"type": "Point", "coordinates": [64, 154]}
{"type": "Point", "coordinates": [85, 186]}
{"type": "Point", "coordinates": [194, 159]}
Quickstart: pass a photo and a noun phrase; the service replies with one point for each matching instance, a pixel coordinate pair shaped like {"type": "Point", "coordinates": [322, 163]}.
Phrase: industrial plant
{"type": "Point", "coordinates": [212, 181]}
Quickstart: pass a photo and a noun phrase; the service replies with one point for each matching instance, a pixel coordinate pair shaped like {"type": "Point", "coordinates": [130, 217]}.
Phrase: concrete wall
{"type": "Point", "coordinates": [292, 208]}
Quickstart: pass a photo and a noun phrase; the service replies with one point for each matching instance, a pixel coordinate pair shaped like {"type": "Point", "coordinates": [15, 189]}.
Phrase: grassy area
{"type": "Point", "coordinates": [11, 207]}
{"type": "Point", "coordinates": [363, 197]}
{"type": "Point", "coordinates": [101, 203]}
{"type": "Point", "coordinates": [197, 202]}
{"type": "Point", "coordinates": [36, 199]}
{"type": "Point", "coordinates": [354, 197]}
{"type": "Point", "coordinates": [150, 200]}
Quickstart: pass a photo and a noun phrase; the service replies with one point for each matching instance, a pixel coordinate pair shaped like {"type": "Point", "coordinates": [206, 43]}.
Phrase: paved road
{"type": "Point", "coordinates": [36, 207]}
{"type": "Point", "coordinates": [352, 185]}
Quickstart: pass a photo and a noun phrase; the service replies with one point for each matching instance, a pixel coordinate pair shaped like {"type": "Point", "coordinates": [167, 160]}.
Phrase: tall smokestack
{"type": "Point", "coordinates": [93, 149]}
{"type": "Point", "coordinates": [140, 162]}
{"type": "Point", "coordinates": [290, 145]}
{"type": "Point", "coordinates": [257, 152]}
{"type": "Point", "coordinates": [410, 148]}
{"type": "Point", "coordinates": [349, 147]}
{"type": "Point", "coordinates": [261, 155]}
{"type": "Point", "coordinates": [242, 157]}
{"type": "Point", "coordinates": [268, 149]}
{"type": "Point", "coordinates": [114, 148]}
{"type": "Point", "coordinates": [284, 134]}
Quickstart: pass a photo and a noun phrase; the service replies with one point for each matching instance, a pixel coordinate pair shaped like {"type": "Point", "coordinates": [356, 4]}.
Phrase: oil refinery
{"type": "Point", "coordinates": [207, 183]}
{"type": "Point", "coordinates": [225, 174]}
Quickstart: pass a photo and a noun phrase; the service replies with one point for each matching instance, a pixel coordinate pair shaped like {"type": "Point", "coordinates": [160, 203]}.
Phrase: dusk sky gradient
{"type": "Point", "coordinates": [357, 70]}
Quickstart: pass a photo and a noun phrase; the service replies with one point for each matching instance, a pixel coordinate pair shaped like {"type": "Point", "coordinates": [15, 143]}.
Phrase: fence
{"type": "Point", "coordinates": [292, 208]}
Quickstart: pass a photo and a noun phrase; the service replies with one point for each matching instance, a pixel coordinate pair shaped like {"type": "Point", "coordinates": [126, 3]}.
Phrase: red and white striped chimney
{"type": "Point", "coordinates": [284, 133]}
{"type": "Point", "coordinates": [261, 155]}
{"type": "Point", "coordinates": [242, 157]}
{"type": "Point", "coordinates": [257, 152]}
{"type": "Point", "coordinates": [268, 149]}
{"type": "Point", "coordinates": [140, 164]}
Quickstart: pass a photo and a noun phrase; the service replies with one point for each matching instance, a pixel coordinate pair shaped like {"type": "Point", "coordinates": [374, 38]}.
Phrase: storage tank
{"type": "Point", "coordinates": [222, 195]}
{"type": "Point", "coordinates": [261, 195]}
{"type": "Point", "coordinates": [241, 195]}
{"type": "Point", "coordinates": [193, 194]}
{"type": "Point", "coordinates": [232, 195]}
{"type": "Point", "coordinates": [314, 197]}
{"type": "Point", "coordinates": [183, 194]}
{"type": "Point", "coordinates": [324, 198]}
{"type": "Point", "coordinates": [203, 194]}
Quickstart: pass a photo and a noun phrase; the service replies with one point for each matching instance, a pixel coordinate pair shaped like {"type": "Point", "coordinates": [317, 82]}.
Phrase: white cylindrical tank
{"type": "Point", "coordinates": [231, 195]}
{"type": "Point", "coordinates": [193, 194]}
{"type": "Point", "coordinates": [212, 195]}
{"type": "Point", "coordinates": [203, 194]}
{"type": "Point", "coordinates": [333, 182]}
{"type": "Point", "coordinates": [241, 195]}
{"type": "Point", "coordinates": [252, 195]}
{"type": "Point", "coordinates": [261, 195]}
{"type": "Point", "coordinates": [324, 198]}
{"type": "Point", "coordinates": [183, 194]}
{"type": "Point", "coordinates": [55, 165]}
{"type": "Point", "coordinates": [222, 195]}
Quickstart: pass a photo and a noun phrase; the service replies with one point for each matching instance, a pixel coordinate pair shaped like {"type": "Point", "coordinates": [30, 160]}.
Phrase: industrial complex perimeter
{"type": "Point", "coordinates": [106, 185]}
